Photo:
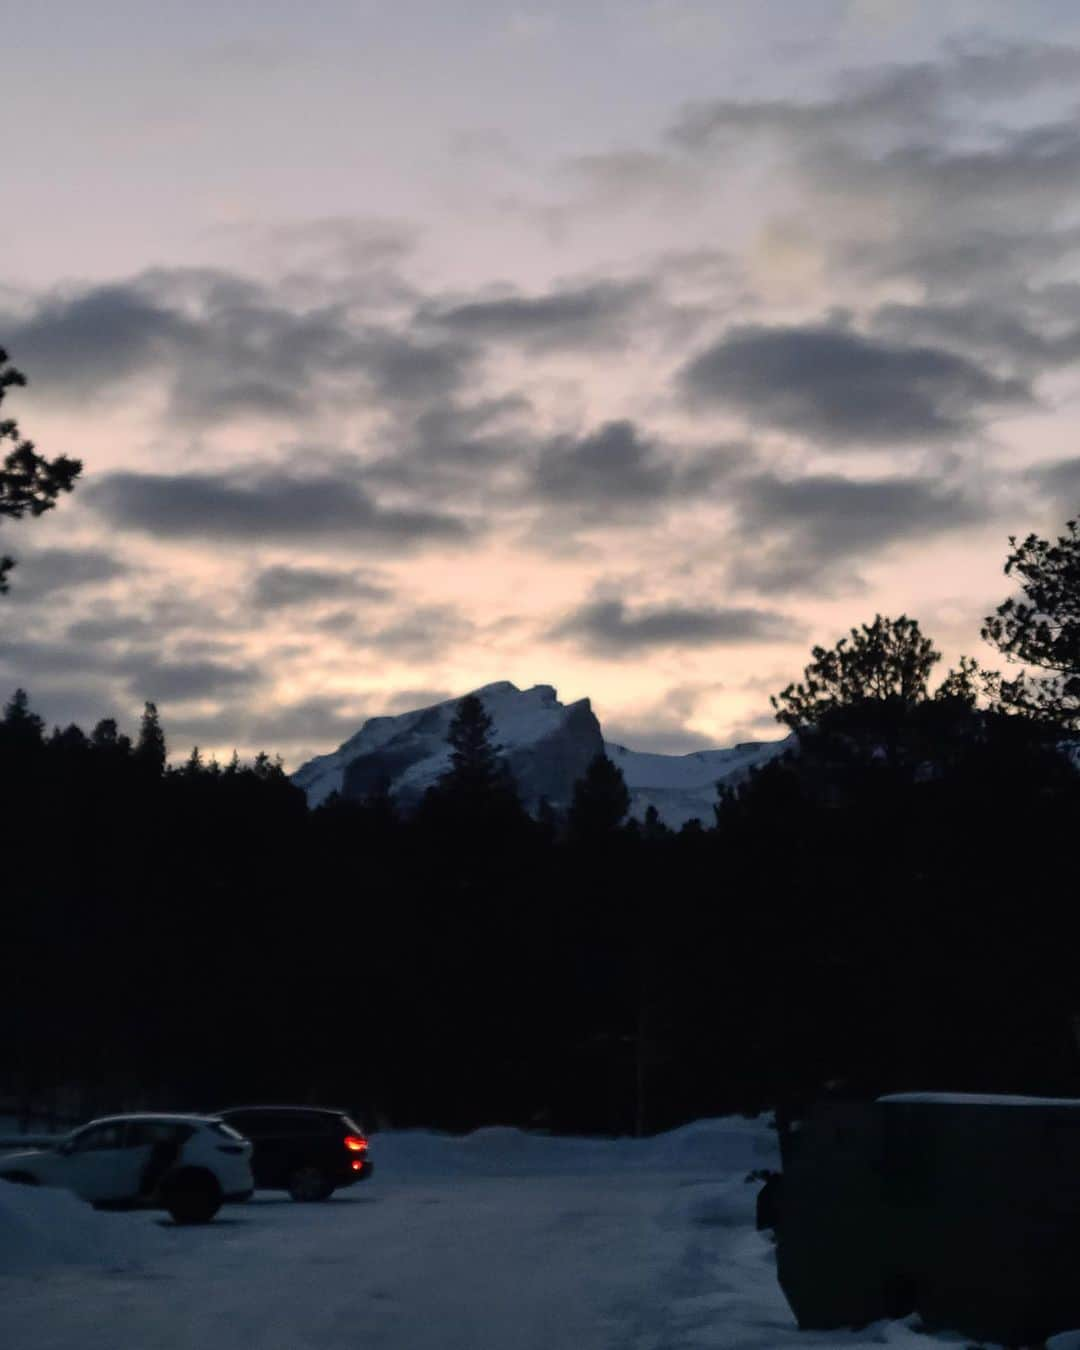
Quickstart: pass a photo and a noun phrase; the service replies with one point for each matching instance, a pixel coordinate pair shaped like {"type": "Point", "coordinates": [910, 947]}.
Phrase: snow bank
{"type": "Point", "coordinates": [41, 1229]}
{"type": "Point", "coordinates": [730, 1145]}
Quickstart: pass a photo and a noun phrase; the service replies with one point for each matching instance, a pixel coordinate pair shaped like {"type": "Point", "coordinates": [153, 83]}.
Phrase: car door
{"type": "Point", "coordinates": [103, 1165]}
{"type": "Point", "coordinates": [268, 1131]}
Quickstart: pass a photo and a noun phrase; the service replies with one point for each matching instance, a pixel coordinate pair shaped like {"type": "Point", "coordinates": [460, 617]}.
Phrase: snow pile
{"type": "Point", "coordinates": [41, 1229]}
{"type": "Point", "coordinates": [718, 1147]}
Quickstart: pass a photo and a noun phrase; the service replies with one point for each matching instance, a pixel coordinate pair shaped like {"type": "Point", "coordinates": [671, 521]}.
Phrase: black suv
{"type": "Point", "coordinates": [308, 1151]}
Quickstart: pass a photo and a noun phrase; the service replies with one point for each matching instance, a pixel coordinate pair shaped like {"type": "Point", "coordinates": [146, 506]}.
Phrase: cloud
{"type": "Point", "coordinates": [919, 170]}
{"type": "Point", "coordinates": [844, 389]}
{"type": "Point", "coordinates": [281, 587]}
{"type": "Point", "coordinates": [421, 634]}
{"type": "Point", "coordinates": [308, 726]}
{"type": "Point", "coordinates": [586, 316]}
{"type": "Point", "coordinates": [908, 97]}
{"type": "Point", "coordinates": [227, 346]}
{"type": "Point", "coordinates": [108, 628]}
{"type": "Point", "coordinates": [616, 465]}
{"type": "Point", "coordinates": [46, 571]}
{"type": "Point", "coordinates": [166, 681]}
{"type": "Point", "coordinates": [1060, 480]}
{"type": "Point", "coordinates": [85, 342]}
{"type": "Point", "coordinates": [801, 534]}
{"type": "Point", "coordinates": [268, 505]}
{"type": "Point", "coordinates": [608, 628]}
{"type": "Point", "coordinates": [1027, 333]}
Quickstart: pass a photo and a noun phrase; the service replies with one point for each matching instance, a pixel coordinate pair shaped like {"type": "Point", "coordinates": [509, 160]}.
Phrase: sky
{"type": "Point", "coordinates": [629, 347]}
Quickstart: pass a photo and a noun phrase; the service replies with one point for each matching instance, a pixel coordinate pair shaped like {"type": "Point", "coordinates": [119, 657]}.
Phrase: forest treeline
{"type": "Point", "coordinates": [893, 906]}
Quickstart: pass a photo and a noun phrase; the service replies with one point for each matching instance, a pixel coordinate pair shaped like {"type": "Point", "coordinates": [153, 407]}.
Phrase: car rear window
{"type": "Point", "coordinates": [351, 1125]}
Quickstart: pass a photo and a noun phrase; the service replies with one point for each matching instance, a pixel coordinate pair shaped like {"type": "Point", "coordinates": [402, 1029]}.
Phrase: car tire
{"type": "Point", "coordinates": [192, 1197]}
{"type": "Point", "coordinates": [309, 1183]}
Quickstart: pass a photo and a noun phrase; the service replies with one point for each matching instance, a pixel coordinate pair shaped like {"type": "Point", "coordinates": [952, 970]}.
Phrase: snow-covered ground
{"type": "Point", "coordinates": [498, 1241]}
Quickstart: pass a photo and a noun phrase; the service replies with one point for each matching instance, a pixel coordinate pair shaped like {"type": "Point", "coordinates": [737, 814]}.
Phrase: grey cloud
{"type": "Point", "coordinates": [887, 97]}
{"type": "Point", "coordinates": [608, 628]}
{"type": "Point", "coordinates": [805, 533]}
{"type": "Point", "coordinates": [587, 316]}
{"type": "Point", "coordinates": [424, 633]}
{"type": "Point", "coordinates": [149, 677]}
{"type": "Point", "coordinates": [452, 449]}
{"type": "Point", "coordinates": [839, 387]}
{"type": "Point", "coordinates": [108, 628]}
{"type": "Point", "coordinates": [962, 194]}
{"type": "Point", "coordinates": [310, 726]}
{"type": "Point", "coordinates": [94, 338]}
{"type": "Point", "coordinates": [226, 346]}
{"type": "Point", "coordinates": [1060, 479]}
{"type": "Point", "coordinates": [142, 671]}
{"type": "Point", "coordinates": [273, 505]}
{"type": "Point", "coordinates": [49, 570]}
{"type": "Point", "coordinates": [31, 657]}
{"type": "Point", "coordinates": [613, 464]}
{"type": "Point", "coordinates": [282, 586]}
{"type": "Point", "coordinates": [1031, 340]}
{"type": "Point", "coordinates": [613, 476]}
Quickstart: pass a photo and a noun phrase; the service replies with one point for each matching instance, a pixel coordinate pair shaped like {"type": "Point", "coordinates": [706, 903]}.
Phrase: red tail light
{"type": "Point", "coordinates": [355, 1144]}
{"type": "Point", "coordinates": [357, 1165]}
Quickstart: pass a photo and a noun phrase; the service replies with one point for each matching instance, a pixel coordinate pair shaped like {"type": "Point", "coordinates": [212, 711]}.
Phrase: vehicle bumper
{"type": "Point", "coordinates": [352, 1176]}
{"type": "Point", "coordinates": [238, 1197]}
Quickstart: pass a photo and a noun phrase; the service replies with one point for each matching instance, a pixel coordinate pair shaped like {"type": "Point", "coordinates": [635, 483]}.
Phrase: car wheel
{"type": "Point", "coordinates": [192, 1197]}
{"type": "Point", "coordinates": [310, 1183]}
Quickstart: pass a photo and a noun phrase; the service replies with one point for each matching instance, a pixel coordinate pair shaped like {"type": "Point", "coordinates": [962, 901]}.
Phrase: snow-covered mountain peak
{"type": "Point", "coordinates": [548, 746]}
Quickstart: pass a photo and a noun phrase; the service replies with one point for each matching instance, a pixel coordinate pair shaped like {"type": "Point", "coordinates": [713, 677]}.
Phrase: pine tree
{"type": "Point", "coordinates": [601, 800]}
{"type": "Point", "coordinates": [1043, 628]}
{"type": "Point", "coordinates": [150, 749]}
{"type": "Point", "coordinates": [29, 483]}
{"type": "Point", "coordinates": [886, 662]}
{"type": "Point", "coordinates": [474, 761]}
{"type": "Point", "coordinates": [478, 788]}
{"type": "Point", "coordinates": [21, 728]}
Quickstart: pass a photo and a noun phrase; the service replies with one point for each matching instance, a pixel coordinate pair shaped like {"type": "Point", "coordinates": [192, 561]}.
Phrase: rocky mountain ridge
{"type": "Point", "coordinates": [547, 745]}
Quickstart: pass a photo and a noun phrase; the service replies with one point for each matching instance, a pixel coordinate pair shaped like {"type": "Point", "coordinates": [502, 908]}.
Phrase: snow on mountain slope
{"type": "Point", "coordinates": [548, 745]}
{"type": "Point", "coordinates": [683, 787]}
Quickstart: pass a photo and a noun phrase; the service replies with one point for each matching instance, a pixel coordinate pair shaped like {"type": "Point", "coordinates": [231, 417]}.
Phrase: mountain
{"type": "Point", "coordinates": [547, 744]}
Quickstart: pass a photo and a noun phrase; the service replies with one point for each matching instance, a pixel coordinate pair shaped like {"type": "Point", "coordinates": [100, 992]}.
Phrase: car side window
{"type": "Point", "coordinates": [251, 1124]}
{"type": "Point", "coordinates": [99, 1137]}
{"type": "Point", "coordinates": [141, 1133]}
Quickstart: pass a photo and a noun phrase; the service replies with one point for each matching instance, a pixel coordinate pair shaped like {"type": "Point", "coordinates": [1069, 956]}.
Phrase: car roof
{"type": "Point", "coordinates": [284, 1106]}
{"type": "Point", "coordinates": [171, 1117]}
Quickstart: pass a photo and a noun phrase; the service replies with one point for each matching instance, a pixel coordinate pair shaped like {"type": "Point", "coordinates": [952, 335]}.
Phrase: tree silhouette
{"type": "Point", "coordinates": [29, 483]}
{"type": "Point", "coordinates": [478, 789]}
{"type": "Point", "coordinates": [1043, 628]}
{"type": "Point", "coordinates": [474, 761]}
{"type": "Point", "coordinates": [888, 661]}
{"type": "Point", "coordinates": [21, 729]}
{"type": "Point", "coordinates": [600, 801]}
{"type": "Point", "coordinates": [150, 749]}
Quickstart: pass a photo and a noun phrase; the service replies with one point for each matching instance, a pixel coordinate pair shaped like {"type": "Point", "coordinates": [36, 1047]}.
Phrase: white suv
{"type": "Point", "coordinates": [188, 1165]}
